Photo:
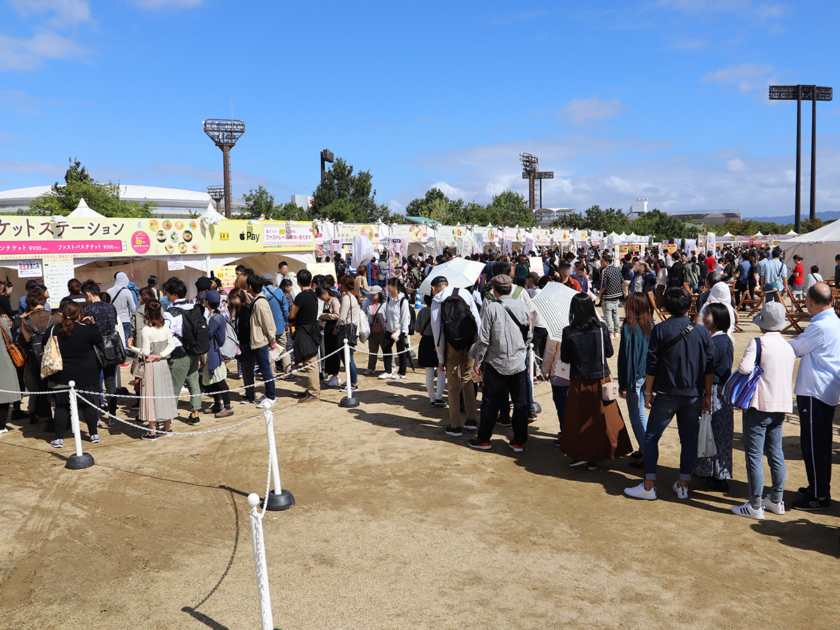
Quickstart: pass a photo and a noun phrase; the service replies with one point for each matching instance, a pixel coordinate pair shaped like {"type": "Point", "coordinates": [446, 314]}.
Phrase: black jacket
{"type": "Point", "coordinates": [582, 351]}
{"type": "Point", "coordinates": [681, 370]}
{"type": "Point", "coordinates": [676, 275]}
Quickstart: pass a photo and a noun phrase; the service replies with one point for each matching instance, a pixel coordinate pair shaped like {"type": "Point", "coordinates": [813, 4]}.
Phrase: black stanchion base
{"type": "Point", "coordinates": [537, 408]}
{"type": "Point", "coordinates": [348, 402]}
{"type": "Point", "coordinates": [74, 462]}
{"type": "Point", "coordinates": [278, 502]}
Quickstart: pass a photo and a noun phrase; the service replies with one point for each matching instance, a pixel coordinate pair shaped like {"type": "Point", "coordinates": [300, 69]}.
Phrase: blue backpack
{"type": "Point", "coordinates": [740, 388]}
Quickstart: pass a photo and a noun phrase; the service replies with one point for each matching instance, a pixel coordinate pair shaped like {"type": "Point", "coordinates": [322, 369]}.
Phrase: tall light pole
{"type": "Point", "coordinates": [801, 93]}
{"type": "Point", "coordinates": [225, 133]}
{"type": "Point", "coordinates": [217, 193]}
{"type": "Point", "coordinates": [327, 156]}
{"type": "Point", "coordinates": [531, 171]}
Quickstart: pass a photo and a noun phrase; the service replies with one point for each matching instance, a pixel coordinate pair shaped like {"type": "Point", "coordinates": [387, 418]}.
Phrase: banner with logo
{"type": "Point", "coordinates": [35, 237]}
{"type": "Point", "coordinates": [259, 237]}
{"type": "Point", "coordinates": [348, 230]}
{"type": "Point", "coordinates": [411, 233]}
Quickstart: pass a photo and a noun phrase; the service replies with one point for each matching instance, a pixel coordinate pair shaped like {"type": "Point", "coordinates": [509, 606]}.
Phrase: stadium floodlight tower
{"type": "Point", "coordinates": [801, 93]}
{"type": "Point", "coordinates": [225, 133]}
{"type": "Point", "coordinates": [531, 171]}
{"type": "Point", "coordinates": [326, 156]}
{"type": "Point", "coordinates": [217, 193]}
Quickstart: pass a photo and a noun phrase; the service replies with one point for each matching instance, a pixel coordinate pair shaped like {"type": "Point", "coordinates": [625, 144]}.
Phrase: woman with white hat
{"type": "Point", "coordinates": [763, 419]}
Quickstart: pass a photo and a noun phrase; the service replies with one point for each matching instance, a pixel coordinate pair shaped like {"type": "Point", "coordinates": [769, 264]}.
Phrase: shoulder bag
{"type": "Point", "coordinates": [609, 388]}
{"type": "Point", "coordinates": [740, 388]}
{"type": "Point", "coordinates": [111, 352]}
{"type": "Point", "coordinates": [348, 331]}
{"type": "Point", "coordinates": [51, 361]}
{"type": "Point", "coordinates": [14, 352]}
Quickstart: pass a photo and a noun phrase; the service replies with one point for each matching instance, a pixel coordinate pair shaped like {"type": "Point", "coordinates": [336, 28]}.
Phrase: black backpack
{"type": "Point", "coordinates": [459, 328]}
{"type": "Point", "coordinates": [37, 342]}
{"type": "Point", "coordinates": [412, 316]}
{"type": "Point", "coordinates": [195, 332]}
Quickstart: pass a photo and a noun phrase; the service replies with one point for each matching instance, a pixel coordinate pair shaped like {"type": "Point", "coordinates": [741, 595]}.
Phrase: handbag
{"type": "Point", "coordinates": [51, 361]}
{"type": "Point", "coordinates": [14, 352]}
{"type": "Point", "coordinates": [609, 389]}
{"type": "Point", "coordinates": [740, 388]}
{"type": "Point", "coordinates": [138, 367]}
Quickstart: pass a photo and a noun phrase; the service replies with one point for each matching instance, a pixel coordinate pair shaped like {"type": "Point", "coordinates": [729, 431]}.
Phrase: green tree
{"type": "Point", "coordinates": [571, 221]}
{"type": "Point", "coordinates": [609, 220]}
{"type": "Point", "coordinates": [659, 225]}
{"type": "Point", "coordinates": [104, 198]}
{"type": "Point", "coordinates": [258, 203]}
{"type": "Point", "coordinates": [346, 197]}
{"type": "Point", "coordinates": [512, 209]}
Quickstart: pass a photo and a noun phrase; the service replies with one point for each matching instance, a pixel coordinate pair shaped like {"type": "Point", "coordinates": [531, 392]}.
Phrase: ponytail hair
{"type": "Point", "coordinates": [396, 282]}
{"type": "Point", "coordinates": [72, 313]}
{"type": "Point", "coordinates": [154, 314]}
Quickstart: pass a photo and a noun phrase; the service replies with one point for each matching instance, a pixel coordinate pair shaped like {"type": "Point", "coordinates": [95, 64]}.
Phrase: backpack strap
{"type": "Point", "coordinates": [673, 342]}
{"type": "Point", "coordinates": [522, 329]}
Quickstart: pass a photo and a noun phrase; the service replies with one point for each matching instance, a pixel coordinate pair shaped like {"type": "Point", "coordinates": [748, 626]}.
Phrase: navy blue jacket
{"type": "Point", "coordinates": [681, 370]}
{"type": "Point", "coordinates": [582, 351]}
{"type": "Point", "coordinates": [724, 352]}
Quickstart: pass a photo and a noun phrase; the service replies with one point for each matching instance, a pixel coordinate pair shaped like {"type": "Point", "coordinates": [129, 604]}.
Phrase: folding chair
{"type": "Point", "coordinates": [662, 315]}
{"type": "Point", "coordinates": [749, 302]}
{"type": "Point", "coordinates": [794, 317]}
{"type": "Point", "coordinates": [797, 304]}
{"type": "Point", "coordinates": [692, 312]}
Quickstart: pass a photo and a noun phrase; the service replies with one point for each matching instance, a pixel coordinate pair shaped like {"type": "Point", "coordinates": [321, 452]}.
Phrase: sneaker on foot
{"type": "Point", "coordinates": [639, 492]}
{"type": "Point", "coordinates": [57, 443]}
{"type": "Point", "coordinates": [591, 466]}
{"type": "Point", "coordinates": [479, 445]}
{"type": "Point", "coordinates": [681, 491]}
{"type": "Point", "coordinates": [398, 377]}
{"type": "Point", "coordinates": [556, 442]}
{"type": "Point", "coordinates": [505, 423]}
{"type": "Point", "coordinates": [247, 401]}
{"type": "Point", "coordinates": [812, 504]}
{"type": "Point", "coordinates": [453, 432]}
{"type": "Point", "coordinates": [136, 406]}
{"type": "Point", "coordinates": [94, 439]}
{"type": "Point", "coordinates": [3, 431]}
{"type": "Point", "coordinates": [805, 492]}
{"type": "Point", "coordinates": [333, 382]}
{"type": "Point", "coordinates": [775, 508]}
{"type": "Point", "coordinates": [224, 413]}
{"type": "Point", "coordinates": [150, 437]}
{"type": "Point", "coordinates": [369, 373]}
{"type": "Point", "coordinates": [748, 511]}
{"type": "Point", "coordinates": [577, 462]}
{"type": "Point", "coordinates": [516, 448]}
{"type": "Point", "coordinates": [385, 375]}
{"type": "Point", "coordinates": [353, 388]}
{"type": "Point", "coordinates": [439, 403]}
{"type": "Point", "coordinates": [471, 425]}
{"type": "Point", "coordinates": [194, 421]}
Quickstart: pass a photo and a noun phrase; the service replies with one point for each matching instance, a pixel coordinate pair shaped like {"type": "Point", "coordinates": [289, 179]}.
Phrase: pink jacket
{"type": "Point", "coordinates": [775, 389]}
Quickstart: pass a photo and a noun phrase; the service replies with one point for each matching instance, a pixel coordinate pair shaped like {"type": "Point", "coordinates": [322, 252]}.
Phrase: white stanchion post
{"type": "Point", "coordinates": [80, 459]}
{"type": "Point", "coordinates": [277, 499]}
{"type": "Point", "coordinates": [531, 372]}
{"type": "Point", "coordinates": [349, 400]}
{"type": "Point", "coordinates": [266, 618]}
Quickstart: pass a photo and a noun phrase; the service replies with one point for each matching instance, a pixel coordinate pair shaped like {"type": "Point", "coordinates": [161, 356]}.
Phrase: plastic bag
{"type": "Point", "coordinates": [706, 446]}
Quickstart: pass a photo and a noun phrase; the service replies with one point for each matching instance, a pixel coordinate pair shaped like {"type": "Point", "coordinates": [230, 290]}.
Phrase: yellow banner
{"type": "Point", "coordinates": [258, 237]}
{"type": "Point", "coordinates": [227, 274]}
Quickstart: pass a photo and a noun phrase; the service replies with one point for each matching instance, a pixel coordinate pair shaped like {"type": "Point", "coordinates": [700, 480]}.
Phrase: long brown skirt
{"type": "Point", "coordinates": [593, 430]}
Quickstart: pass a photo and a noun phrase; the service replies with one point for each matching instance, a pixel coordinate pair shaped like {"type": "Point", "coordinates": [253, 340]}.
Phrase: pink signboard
{"type": "Point", "coordinates": [38, 248]}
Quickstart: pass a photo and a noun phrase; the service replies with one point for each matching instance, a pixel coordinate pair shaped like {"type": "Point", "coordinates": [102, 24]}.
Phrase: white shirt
{"type": "Point", "coordinates": [775, 387]}
{"type": "Point", "coordinates": [811, 280]}
{"type": "Point", "coordinates": [819, 369]}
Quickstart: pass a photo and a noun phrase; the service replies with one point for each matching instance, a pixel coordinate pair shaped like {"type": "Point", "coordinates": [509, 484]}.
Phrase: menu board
{"type": "Point", "coordinates": [58, 271]}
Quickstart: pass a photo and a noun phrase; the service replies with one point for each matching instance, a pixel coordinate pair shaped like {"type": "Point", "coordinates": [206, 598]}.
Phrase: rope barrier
{"type": "Point", "coordinates": [138, 426]}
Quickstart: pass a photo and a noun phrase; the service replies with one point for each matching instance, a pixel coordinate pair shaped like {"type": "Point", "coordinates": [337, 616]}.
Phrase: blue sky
{"type": "Point", "coordinates": [664, 99]}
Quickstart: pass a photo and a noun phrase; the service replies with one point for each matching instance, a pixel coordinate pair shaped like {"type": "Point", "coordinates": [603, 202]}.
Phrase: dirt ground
{"type": "Point", "coordinates": [396, 526]}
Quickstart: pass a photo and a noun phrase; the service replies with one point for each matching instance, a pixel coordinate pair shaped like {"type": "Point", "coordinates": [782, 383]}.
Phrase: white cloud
{"type": "Point", "coordinates": [589, 110]}
{"type": "Point", "coordinates": [396, 206]}
{"type": "Point", "coordinates": [65, 12]}
{"type": "Point", "coordinates": [760, 11]}
{"type": "Point", "coordinates": [746, 77]}
{"type": "Point", "coordinates": [736, 166]}
{"type": "Point", "coordinates": [50, 170]}
{"type": "Point", "coordinates": [29, 54]}
{"type": "Point", "coordinates": [168, 4]}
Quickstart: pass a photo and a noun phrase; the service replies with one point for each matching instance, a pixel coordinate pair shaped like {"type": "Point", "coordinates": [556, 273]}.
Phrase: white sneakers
{"type": "Point", "coordinates": [749, 511]}
{"type": "Point", "coordinates": [681, 491]}
{"type": "Point", "coordinates": [3, 431]}
{"type": "Point", "coordinates": [774, 508]}
{"type": "Point", "coordinates": [333, 382]}
{"type": "Point", "coordinates": [385, 375]}
{"type": "Point", "coordinates": [639, 492]}
{"type": "Point", "coordinates": [398, 377]}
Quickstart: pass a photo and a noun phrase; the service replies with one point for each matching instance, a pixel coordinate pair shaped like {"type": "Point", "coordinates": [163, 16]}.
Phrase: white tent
{"type": "Point", "coordinates": [83, 211]}
{"type": "Point", "coordinates": [792, 233]}
{"type": "Point", "coordinates": [816, 248]}
{"type": "Point", "coordinates": [758, 234]}
{"type": "Point", "coordinates": [210, 216]}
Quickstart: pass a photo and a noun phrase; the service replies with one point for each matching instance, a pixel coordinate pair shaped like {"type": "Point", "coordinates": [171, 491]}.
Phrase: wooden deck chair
{"type": "Point", "coordinates": [797, 304]}
{"type": "Point", "coordinates": [794, 317]}
{"type": "Point", "coordinates": [662, 315]}
{"type": "Point", "coordinates": [692, 312]}
{"type": "Point", "coordinates": [732, 299]}
{"type": "Point", "coordinates": [747, 301]}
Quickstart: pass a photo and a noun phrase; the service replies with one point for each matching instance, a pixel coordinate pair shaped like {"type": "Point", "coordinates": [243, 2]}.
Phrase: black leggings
{"type": "Point", "coordinates": [62, 412]}
{"type": "Point", "coordinates": [4, 413]}
{"type": "Point", "coordinates": [248, 361]}
{"type": "Point", "coordinates": [387, 348]}
{"type": "Point", "coordinates": [219, 391]}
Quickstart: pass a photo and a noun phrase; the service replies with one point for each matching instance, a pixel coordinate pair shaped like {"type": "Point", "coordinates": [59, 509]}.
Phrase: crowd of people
{"type": "Point", "coordinates": [472, 339]}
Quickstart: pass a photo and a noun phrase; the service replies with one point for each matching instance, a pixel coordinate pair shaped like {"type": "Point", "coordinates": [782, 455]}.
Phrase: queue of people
{"type": "Point", "coordinates": [470, 337]}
